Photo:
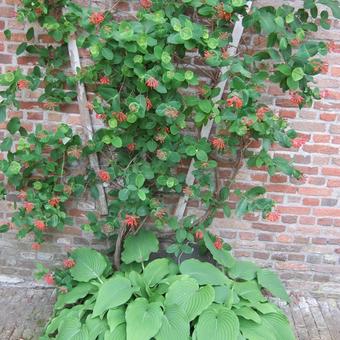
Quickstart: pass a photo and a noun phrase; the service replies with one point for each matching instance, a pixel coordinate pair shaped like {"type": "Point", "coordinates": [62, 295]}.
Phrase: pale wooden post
{"type": "Point", "coordinates": [86, 119]}
{"type": "Point", "coordinates": [206, 129]}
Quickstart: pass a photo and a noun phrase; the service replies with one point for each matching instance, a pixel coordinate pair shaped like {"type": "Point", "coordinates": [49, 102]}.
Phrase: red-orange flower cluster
{"type": "Point", "coordinates": [28, 206]}
{"type": "Point", "coordinates": [96, 18]}
{"type": "Point", "coordinates": [39, 224]}
{"type": "Point", "coordinates": [152, 82]}
{"type": "Point", "coordinates": [49, 279]}
{"type": "Point", "coordinates": [121, 116]}
{"type": "Point", "coordinates": [261, 112]}
{"type": "Point", "coordinates": [22, 84]}
{"type": "Point", "coordinates": [148, 104]}
{"type": "Point", "coordinates": [296, 99]}
{"type": "Point", "coordinates": [235, 101]}
{"type": "Point", "coordinates": [36, 246]}
{"type": "Point", "coordinates": [218, 244]}
{"type": "Point", "coordinates": [199, 235]}
{"type": "Point", "coordinates": [146, 3]}
{"type": "Point", "coordinates": [298, 142]}
{"type": "Point", "coordinates": [104, 175]}
{"type": "Point", "coordinates": [217, 143]}
{"type": "Point", "coordinates": [131, 147]}
{"type": "Point", "coordinates": [273, 216]}
{"type": "Point", "coordinates": [69, 263]}
{"type": "Point", "coordinates": [54, 201]}
{"type": "Point", "coordinates": [131, 221]}
{"type": "Point", "coordinates": [104, 80]}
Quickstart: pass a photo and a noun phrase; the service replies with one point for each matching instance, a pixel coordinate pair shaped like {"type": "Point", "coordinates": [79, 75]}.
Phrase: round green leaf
{"type": "Point", "coordinates": [218, 323]}
{"type": "Point", "coordinates": [112, 294]}
{"type": "Point", "coordinates": [298, 73]}
{"type": "Point", "coordinates": [89, 264]}
{"type": "Point", "coordinates": [143, 319]}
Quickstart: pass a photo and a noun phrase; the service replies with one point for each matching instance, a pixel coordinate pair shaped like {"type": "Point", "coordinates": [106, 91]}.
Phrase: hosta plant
{"type": "Point", "coordinates": [162, 300]}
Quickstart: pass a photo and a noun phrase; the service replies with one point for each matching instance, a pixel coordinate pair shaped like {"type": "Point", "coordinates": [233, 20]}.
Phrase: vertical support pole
{"type": "Point", "coordinates": [86, 120]}
{"type": "Point", "coordinates": [206, 129]}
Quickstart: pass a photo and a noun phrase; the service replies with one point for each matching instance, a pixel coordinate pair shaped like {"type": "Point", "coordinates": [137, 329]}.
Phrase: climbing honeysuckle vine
{"type": "Point", "coordinates": [154, 78]}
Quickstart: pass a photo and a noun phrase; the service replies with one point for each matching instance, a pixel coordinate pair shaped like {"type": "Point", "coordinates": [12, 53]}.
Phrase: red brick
{"type": "Point", "coordinates": [269, 227]}
{"type": "Point", "coordinates": [287, 114]}
{"type": "Point", "coordinates": [247, 236]}
{"type": "Point", "coordinates": [281, 188]}
{"type": "Point", "coordinates": [315, 191]}
{"type": "Point", "coordinates": [334, 212]}
{"type": "Point", "coordinates": [328, 117]}
{"type": "Point", "coordinates": [331, 171]}
{"type": "Point", "coordinates": [321, 149]}
{"type": "Point", "coordinates": [284, 238]}
{"type": "Point", "coordinates": [311, 201]}
{"type": "Point", "coordinates": [5, 59]}
{"type": "Point", "coordinates": [335, 71]}
{"type": "Point", "coordinates": [333, 183]}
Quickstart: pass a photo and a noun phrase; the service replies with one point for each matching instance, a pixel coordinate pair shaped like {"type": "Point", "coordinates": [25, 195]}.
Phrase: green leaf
{"type": "Point", "coordinates": [205, 105]}
{"type": "Point", "coordinates": [2, 113]}
{"type": "Point", "coordinates": [13, 125]}
{"type": "Point", "coordinates": [222, 256]}
{"type": "Point", "coordinates": [4, 228]}
{"type": "Point", "coordinates": [249, 290]}
{"type": "Point", "coordinates": [21, 48]}
{"type": "Point", "coordinates": [217, 323]}
{"type": "Point", "coordinates": [298, 74]}
{"type": "Point", "coordinates": [89, 264]}
{"type": "Point", "coordinates": [6, 144]}
{"type": "Point", "coordinates": [248, 313]}
{"type": "Point", "coordinates": [274, 326]}
{"type": "Point", "coordinates": [14, 168]}
{"type": "Point", "coordinates": [333, 5]}
{"type": "Point", "coordinates": [116, 142]}
{"type": "Point", "coordinates": [107, 53]}
{"type": "Point", "coordinates": [96, 327]}
{"type": "Point", "coordinates": [119, 333]}
{"type": "Point", "coordinates": [202, 155]}
{"type": "Point", "coordinates": [155, 271]}
{"type": "Point", "coordinates": [137, 248]}
{"type": "Point", "coordinates": [270, 281]}
{"type": "Point", "coordinates": [143, 319]}
{"type": "Point", "coordinates": [112, 293]}
{"type": "Point", "coordinates": [244, 270]}
{"type": "Point", "coordinates": [187, 294]}
{"type": "Point", "coordinates": [203, 272]}
{"type": "Point", "coordinates": [115, 317]}
{"type": "Point", "coordinates": [175, 324]}
{"type": "Point", "coordinates": [30, 33]}
{"type": "Point", "coordinates": [72, 329]}
{"type": "Point", "coordinates": [140, 179]}
{"type": "Point", "coordinates": [8, 34]}
{"type": "Point", "coordinates": [76, 293]}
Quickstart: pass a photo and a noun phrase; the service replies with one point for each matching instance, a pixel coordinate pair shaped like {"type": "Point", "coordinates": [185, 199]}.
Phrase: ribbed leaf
{"type": "Point", "coordinates": [119, 333]}
{"type": "Point", "coordinates": [112, 293]}
{"type": "Point", "coordinates": [274, 326]}
{"type": "Point", "coordinates": [217, 323]}
{"type": "Point", "coordinates": [72, 329]}
{"type": "Point", "coordinates": [89, 264]}
{"type": "Point", "coordinates": [244, 270]}
{"type": "Point", "coordinates": [76, 293]}
{"type": "Point", "coordinates": [221, 256]}
{"type": "Point", "coordinates": [155, 271]}
{"type": "Point", "coordinates": [187, 294]}
{"type": "Point", "coordinates": [249, 290]}
{"type": "Point", "coordinates": [143, 319]}
{"type": "Point", "coordinates": [137, 248]}
{"type": "Point", "coordinates": [115, 317]}
{"type": "Point", "coordinates": [95, 327]}
{"type": "Point", "coordinates": [175, 325]}
{"type": "Point", "coordinates": [269, 280]}
{"type": "Point", "coordinates": [248, 313]}
{"type": "Point", "coordinates": [203, 272]}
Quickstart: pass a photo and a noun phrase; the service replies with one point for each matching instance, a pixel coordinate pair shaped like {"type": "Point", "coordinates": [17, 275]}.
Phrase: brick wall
{"type": "Point", "coordinates": [304, 246]}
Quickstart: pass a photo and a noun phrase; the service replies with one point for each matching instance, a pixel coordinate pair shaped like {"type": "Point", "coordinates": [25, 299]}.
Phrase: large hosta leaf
{"type": "Point", "coordinates": [222, 256]}
{"type": "Point", "coordinates": [89, 264]}
{"type": "Point", "coordinates": [137, 248]}
{"type": "Point", "coordinates": [203, 272]}
{"type": "Point", "coordinates": [248, 313]}
{"type": "Point", "coordinates": [76, 293]}
{"type": "Point", "coordinates": [249, 291]}
{"type": "Point", "coordinates": [175, 324]}
{"type": "Point", "coordinates": [269, 280]}
{"type": "Point", "coordinates": [115, 317]}
{"type": "Point", "coordinates": [244, 270]}
{"type": "Point", "coordinates": [119, 333]}
{"type": "Point", "coordinates": [143, 319]}
{"type": "Point", "coordinates": [72, 329]}
{"type": "Point", "coordinates": [112, 293]}
{"type": "Point", "coordinates": [217, 323]}
{"type": "Point", "coordinates": [95, 327]}
{"type": "Point", "coordinates": [155, 271]}
{"type": "Point", "coordinates": [274, 326]}
{"type": "Point", "coordinates": [187, 294]}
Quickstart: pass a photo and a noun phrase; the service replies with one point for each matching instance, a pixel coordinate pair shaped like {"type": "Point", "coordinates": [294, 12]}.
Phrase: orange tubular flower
{"type": "Point", "coordinates": [131, 221]}
{"type": "Point", "coordinates": [152, 82]}
{"type": "Point", "coordinates": [218, 143]}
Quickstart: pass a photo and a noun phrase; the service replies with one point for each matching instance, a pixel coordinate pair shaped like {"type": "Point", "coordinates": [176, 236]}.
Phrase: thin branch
{"type": "Point", "coordinates": [118, 247]}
